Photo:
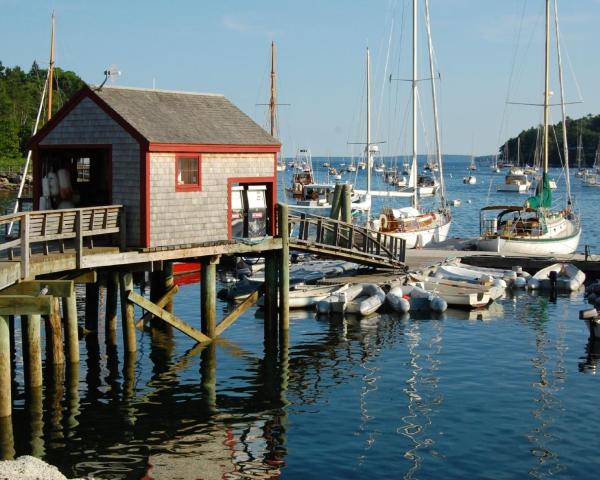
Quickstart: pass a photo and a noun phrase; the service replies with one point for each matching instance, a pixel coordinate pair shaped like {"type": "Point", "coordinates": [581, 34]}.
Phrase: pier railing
{"type": "Point", "coordinates": [325, 235]}
{"type": "Point", "coordinates": [35, 232]}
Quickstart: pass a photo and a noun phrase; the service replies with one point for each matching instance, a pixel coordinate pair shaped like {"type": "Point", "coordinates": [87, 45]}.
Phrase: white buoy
{"type": "Point", "coordinates": [519, 282]}
{"type": "Point", "coordinates": [533, 283]}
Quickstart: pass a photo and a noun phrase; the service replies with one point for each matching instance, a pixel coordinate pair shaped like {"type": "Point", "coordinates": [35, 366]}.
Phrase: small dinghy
{"type": "Point", "coordinates": [362, 299]}
{"type": "Point", "coordinates": [307, 296]}
{"type": "Point", "coordinates": [564, 277]}
{"type": "Point", "coordinates": [418, 299]}
{"type": "Point", "coordinates": [467, 273]}
{"type": "Point", "coordinates": [462, 294]}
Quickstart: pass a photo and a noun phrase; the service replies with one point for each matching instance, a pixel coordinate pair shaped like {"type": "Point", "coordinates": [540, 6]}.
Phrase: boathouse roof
{"type": "Point", "coordinates": [170, 117]}
{"type": "Point", "coordinates": [163, 116]}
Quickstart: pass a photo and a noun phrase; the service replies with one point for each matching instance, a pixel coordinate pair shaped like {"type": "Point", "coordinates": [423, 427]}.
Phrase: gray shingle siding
{"type": "Point", "coordinates": [189, 217]}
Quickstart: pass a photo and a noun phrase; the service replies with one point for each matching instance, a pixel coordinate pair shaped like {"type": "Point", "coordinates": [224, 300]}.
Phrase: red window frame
{"type": "Point", "coordinates": [189, 187]}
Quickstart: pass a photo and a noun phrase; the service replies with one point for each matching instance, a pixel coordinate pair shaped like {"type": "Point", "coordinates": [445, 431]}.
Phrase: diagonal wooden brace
{"type": "Point", "coordinates": [241, 308]}
{"type": "Point", "coordinates": [167, 317]}
{"type": "Point", "coordinates": [162, 301]}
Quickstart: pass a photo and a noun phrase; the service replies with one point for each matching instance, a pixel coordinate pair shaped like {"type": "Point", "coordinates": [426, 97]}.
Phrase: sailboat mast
{"type": "Point", "coordinates": [272, 101]}
{"type": "Point", "coordinates": [562, 108]}
{"type": "Point", "coordinates": [368, 147]}
{"type": "Point", "coordinates": [546, 90]}
{"type": "Point", "coordinates": [438, 149]}
{"type": "Point", "coordinates": [518, 151]}
{"type": "Point", "coordinates": [414, 172]}
{"type": "Point", "coordinates": [51, 69]}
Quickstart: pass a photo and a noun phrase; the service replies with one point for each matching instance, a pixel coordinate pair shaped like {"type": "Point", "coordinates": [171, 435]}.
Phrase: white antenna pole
{"type": "Point", "coordinates": [368, 147]}
{"type": "Point", "coordinates": [562, 106]}
{"type": "Point", "coordinates": [438, 148]}
{"type": "Point", "coordinates": [415, 196]}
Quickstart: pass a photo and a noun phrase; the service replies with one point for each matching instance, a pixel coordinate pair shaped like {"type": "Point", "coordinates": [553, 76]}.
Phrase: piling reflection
{"type": "Point", "coordinates": [592, 357]}
{"type": "Point", "coordinates": [55, 390]}
{"type": "Point", "coordinates": [34, 415]}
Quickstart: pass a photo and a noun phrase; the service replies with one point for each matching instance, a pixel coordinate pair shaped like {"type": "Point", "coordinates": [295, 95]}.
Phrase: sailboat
{"type": "Point", "coordinates": [416, 225]}
{"type": "Point", "coordinates": [516, 180]}
{"type": "Point", "coordinates": [535, 227]}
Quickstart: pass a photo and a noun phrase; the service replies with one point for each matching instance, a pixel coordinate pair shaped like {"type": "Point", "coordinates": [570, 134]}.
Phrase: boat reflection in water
{"type": "Point", "coordinates": [549, 370]}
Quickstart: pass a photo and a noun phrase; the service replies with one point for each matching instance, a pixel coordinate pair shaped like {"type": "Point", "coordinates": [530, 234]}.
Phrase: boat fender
{"type": "Point", "coordinates": [64, 184]}
{"type": "Point", "coordinates": [45, 188]}
{"type": "Point", "coordinates": [53, 184]}
{"type": "Point", "coordinates": [438, 304]}
{"type": "Point", "coordinates": [498, 282]}
{"type": "Point", "coordinates": [519, 282]}
{"type": "Point", "coordinates": [589, 314]}
{"type": "Point", "coordinates": [533, 283]}
{"type": "Point", "coordinates": [45, 203]}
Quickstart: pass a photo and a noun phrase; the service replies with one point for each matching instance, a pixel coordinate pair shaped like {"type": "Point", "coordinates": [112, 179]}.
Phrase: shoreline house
{"type": "Point", "coordinates": [190, 168]}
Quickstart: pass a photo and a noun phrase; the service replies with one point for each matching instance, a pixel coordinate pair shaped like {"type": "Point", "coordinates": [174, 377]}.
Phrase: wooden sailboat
{"type": "Point", "coordinates": [536, 227]}
{"type": "Point", "coordinates": [416, 225]}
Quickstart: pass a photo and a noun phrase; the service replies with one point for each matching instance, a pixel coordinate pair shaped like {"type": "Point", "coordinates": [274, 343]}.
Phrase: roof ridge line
{"type": "Point", "coordinates": [96, 89]}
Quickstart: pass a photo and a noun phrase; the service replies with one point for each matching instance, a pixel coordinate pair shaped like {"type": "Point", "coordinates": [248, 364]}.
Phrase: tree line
{"type": "Point", "coordinates": [588, 128]}
{"type": "Point", "coordinates": [20, 95]}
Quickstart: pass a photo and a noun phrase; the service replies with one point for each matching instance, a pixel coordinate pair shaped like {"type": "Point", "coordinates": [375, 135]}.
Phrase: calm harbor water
{"type": "Point", "coordinates": [509, 392]}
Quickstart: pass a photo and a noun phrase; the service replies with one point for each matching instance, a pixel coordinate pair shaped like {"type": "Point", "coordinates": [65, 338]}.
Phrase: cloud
{"type": "Point", "coordinates": [242, 26]}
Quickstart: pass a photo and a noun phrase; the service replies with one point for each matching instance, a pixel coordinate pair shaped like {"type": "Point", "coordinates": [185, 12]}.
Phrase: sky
{"type": "Point", "coordinates": [486, 51]}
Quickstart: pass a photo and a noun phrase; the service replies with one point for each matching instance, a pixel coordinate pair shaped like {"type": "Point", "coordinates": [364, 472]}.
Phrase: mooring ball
{"type": "Point", "coordinates": [533, 283]}
{"type": "Point", "coordinates": [520, 282]}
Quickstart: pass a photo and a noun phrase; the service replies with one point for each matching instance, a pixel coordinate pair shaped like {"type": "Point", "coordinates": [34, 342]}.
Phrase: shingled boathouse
{"type": "Point", "coordinates": [188, 167]}
{"type": "Point", "coordinates": [130, 180]}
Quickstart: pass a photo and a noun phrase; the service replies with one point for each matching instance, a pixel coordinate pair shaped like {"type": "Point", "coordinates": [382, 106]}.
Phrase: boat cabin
{"type": "Point", "coordinates": [189, 168]}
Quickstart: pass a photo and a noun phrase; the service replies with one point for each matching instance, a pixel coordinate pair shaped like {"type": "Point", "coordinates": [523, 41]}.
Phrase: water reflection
{"type": "Point", "coordinates": [548, 365]}
{"type": "Point", "coordinates": [423, 397]}
{"type": "Point", "coordinates": [592, 351]}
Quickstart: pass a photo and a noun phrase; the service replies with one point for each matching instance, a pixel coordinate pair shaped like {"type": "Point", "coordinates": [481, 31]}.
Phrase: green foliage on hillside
{"type": "Point", "coordinates": [20, 94]}
{"type": "Point", "coordinates": [588, 127]}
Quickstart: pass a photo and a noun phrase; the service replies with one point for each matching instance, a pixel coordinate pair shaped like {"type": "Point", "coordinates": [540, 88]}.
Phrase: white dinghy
{"type": "Point", "coordinates": [462, 294]}
{"type": "Point", "coordinates": [565, 277]}
{"type": "Point", "coordinates": [362, 299]}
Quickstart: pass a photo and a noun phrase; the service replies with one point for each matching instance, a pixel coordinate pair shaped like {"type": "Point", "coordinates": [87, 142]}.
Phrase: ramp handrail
{"type": "Point", "coordinates": [45, 226]}
{"type": "Point", "coordinates": [328, 232]}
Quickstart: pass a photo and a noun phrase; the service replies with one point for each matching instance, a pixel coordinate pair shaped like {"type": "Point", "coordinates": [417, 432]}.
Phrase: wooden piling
{"type": "Point", "coordinates": [168, 283]}
{"type": "Point", "coordinates": [7, 440]}
{"type": "Point", "coordinates": [54, 337]}
{"type": "Point", "coordinates": [284, 269]}
{"type": "Point", "coordinates": [271, 293]}
{"type": "Point", "coordinates": [32, 351]}
{"type": "Point", "coordinates": [55, 390]}
{"type": "Point", "coordinates": [346, 203]}
{"type": "Point", "coordinates": [336, 202]}
{"type": "Point", "coordinates": [92, 298]}
{"type": "Point", "coordinates": [5, 378]}
{"type": "Point", "coordinates": [112, 290]}
{"type": "Point", "coordinates": [127, 312]}
{"type": "Point", "coordinates": [208, 294]}
{"type": "Point", "coordinates": [71, 328]}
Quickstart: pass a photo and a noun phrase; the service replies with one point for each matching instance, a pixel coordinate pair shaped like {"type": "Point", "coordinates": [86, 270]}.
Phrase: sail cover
{"type": "Point", "coordinates": [543, 198]}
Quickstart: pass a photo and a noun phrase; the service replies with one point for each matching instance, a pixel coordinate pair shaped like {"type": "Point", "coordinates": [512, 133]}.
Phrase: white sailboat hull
{"type": "Point", "coordinates": [539, 246]}
{"type": "Point", "coordinates": [421, 238]}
